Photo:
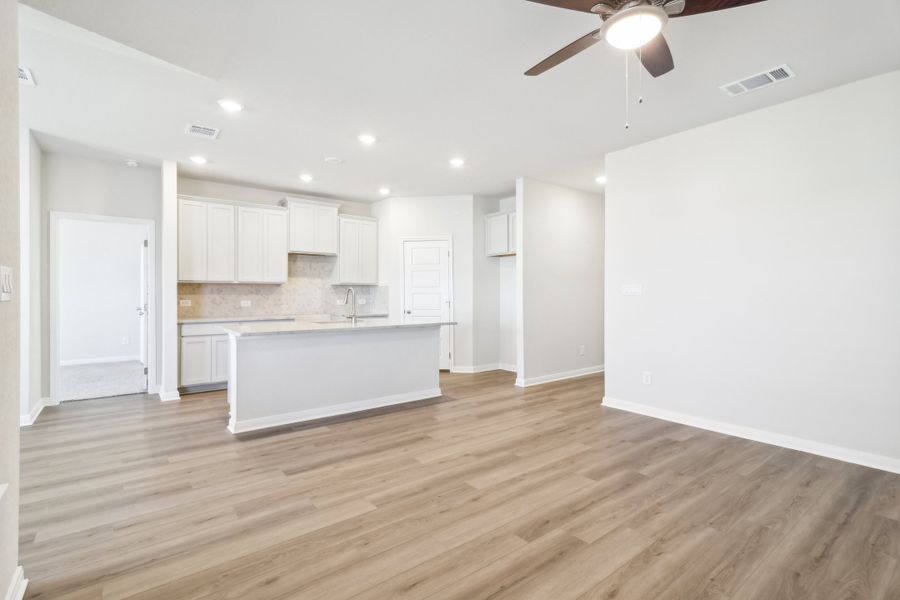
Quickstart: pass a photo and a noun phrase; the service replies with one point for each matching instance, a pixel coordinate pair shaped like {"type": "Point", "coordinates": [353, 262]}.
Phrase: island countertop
{"type": "Point", "coordinates": [305, 327]}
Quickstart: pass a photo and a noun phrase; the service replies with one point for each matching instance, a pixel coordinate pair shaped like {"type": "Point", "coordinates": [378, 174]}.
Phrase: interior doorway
{"type": "Point", "coordinates": [102, 314]}
{"type": "Point", "coordinates": [428, 288]}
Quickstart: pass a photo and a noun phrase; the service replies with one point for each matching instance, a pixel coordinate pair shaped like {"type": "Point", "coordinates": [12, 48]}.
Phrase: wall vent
{"type": "Point", "coordinates": [760, 80]}
{"type": "Point", "coordinates": [25, 76]}
{"type": "Point", "coordinates": [210, 133]}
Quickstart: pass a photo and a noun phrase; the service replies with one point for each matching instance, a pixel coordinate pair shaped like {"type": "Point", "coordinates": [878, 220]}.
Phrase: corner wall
{"type": "Point", "coordinates": [559, 279]}
{"type": "Point", "coordinates": [768, 252]}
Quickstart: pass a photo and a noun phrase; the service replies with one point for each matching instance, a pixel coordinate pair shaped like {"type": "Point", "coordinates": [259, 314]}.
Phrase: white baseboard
{"type": "Point", "coordinates": [314, 414]}
{"type": "Point", "coordinates": [100, 360]}
{"type": "Point", "coordinates": [558, 376]}
{"type": "Point", "coordinates": [475, 369]}
{"type": "Point", "coordinates": [30, 418]}
{"type": "Point", "coordinates": [866, 459]}
{"type": "Point", "coordinates": [507, 367]}
{"type": "Point", "coordinates": [167, 396]}
{"type": "Point", "coordinates": [16, 589]}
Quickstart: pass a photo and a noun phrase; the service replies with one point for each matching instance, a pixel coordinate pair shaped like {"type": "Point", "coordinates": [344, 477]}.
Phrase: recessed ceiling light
{"type": "Point", "coordinates": [457, 162]}
{"type": "Point", "coordinates": [367, 139]}
{"type": "Point", "coordinates": [384, 191]}
{"type": "Point", "coordinates": [199, 160]}
{"type": "Point", "coordinates": [229, 105]}
{"type": "Point", "coordinates": [306, 178]}
{"type": "Point", "coordinates": [601, 180]}
{"type": "Point", "coordinates": [131, 163]}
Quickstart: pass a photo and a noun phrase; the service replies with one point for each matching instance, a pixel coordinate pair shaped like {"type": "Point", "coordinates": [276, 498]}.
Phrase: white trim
{"type": "Point", "coordinates": [29, 419]}
{"type": "Point", "coordinates": [53, 279]}
{"type": "Point", "coordinates": [166, 396]}
{"type": "Point", "coordinates": [507, 367]}
{"type": "Point", "coordinates": [16, 589]}
{"type": "Point", "coordinates": [483, 368]}
{"type": "Point", "coordinates": [866, 459]}
{"type": "Point", "coordinates": [431, 238]}
{"type": "Point", "coordinates": [99, 360]}
{"type": "Point", "coordinates": [314, 414]}
{"type": "Point", "coordinates": [558, 376]}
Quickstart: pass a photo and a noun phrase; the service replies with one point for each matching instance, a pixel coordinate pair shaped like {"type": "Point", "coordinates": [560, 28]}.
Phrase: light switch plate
{"type": "Point", "coordinates": [6, 284]}
{"type": "Point", "coordinates": [184, 303]}
{"type": "Point", "coordinates": [632, 289]}
{"type": "Point", "coordinates": [246, 303]}
{"type": "Point", "coordinates": [361, 301]}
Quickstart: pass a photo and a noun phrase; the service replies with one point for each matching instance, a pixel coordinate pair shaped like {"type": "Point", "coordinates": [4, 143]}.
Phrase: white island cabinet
{"type": "Point", "coordinates": [301, 371]}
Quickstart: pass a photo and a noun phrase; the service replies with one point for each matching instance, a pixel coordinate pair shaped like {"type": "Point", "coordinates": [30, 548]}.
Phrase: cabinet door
{"type": "Point", "coordinates": [219, 352]}
{"type": "Point", "coordinates": [497, 234]}
{"type": "Point", "coordinates": [326, 229]}
{"type": "Point", "coordinates": [303, 227]}
{"type": "Point", "coordinates": [220, 242]}
{"type": "Point", "coordinates": [192, 240]}
{"type": "Point", "coordinates": [512, 249]}
{"type": "Point", "coordinates": [368, 252]}
{"type": "Point", "coordinates": [196, 360]}
{"type": "Point", "coordinates": [275, 251]}
{"type": "Point", "coordinates": [250, 244]}
{"type": "Point", "coordinates": [348, 257]}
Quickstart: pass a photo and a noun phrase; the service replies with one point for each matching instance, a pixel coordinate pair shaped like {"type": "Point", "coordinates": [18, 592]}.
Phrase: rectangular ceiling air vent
{"type": "Point", "coordinates": [25, 76]}
{"type": "Point", "coordinates": [210, 133]}
{"type": "Point", "coordinates": [760, 80]}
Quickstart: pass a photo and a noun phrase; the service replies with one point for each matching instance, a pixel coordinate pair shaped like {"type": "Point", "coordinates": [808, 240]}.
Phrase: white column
{"type": "Point", "coordinates": [168, 385]}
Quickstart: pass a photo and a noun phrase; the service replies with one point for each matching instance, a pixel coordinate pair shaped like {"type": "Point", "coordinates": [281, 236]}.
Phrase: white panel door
{"type": "Point", "coordinates": [368, 252]}
{"type": "Point", "coordinates": [348, 257]}
{"type": "Point", "coordinates": [326, 229]}
{"type": "Point", "coordinates": [303, 227]}
{"type": "Point", "coordinates": [219, 352]}
{"type": "Point", "coordinates": [250, 244]}
{"type": "Point", "coordinates": [497, 234]}
{"type": "Point", "coordinates": [275, 250]}
{"type": "Point", "coordinates": [192, 240]}
{"type": "Point", "coordinates": [196, 360]}
{"type": "Point", "coordinates": [426, 288]}
{"type": "Point", "coordinates": [220, 242]}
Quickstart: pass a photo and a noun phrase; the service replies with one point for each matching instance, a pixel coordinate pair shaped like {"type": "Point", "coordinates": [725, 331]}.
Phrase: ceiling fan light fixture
{"type": "Point", "coordinates": [634, 27]}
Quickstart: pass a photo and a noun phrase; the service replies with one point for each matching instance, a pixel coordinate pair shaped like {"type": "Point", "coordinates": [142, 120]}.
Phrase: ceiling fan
{"type": "Point", "coordinates": [632, 25]}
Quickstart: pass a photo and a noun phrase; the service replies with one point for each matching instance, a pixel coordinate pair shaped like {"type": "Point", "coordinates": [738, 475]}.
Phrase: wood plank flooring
{"type": "Point", "coordinates": [491, 492]}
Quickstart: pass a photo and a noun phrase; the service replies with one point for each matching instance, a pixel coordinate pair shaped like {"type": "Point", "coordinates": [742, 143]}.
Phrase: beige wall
{"type": "Point", "coordinates": [9, 311]}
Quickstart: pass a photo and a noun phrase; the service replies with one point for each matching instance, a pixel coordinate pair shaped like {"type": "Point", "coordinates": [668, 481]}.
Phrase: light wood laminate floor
{"type": "Point", "coordinates": [492, 492]}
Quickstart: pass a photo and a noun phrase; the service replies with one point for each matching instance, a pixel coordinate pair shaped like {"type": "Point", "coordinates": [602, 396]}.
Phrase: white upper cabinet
{"type": "Point", "coordinates": [500, 234]}
{"type": "Point", "coordinates": [262, 245]}
{"type": "Point", "coordinates": [313, 227]}
{"type": "Point", "coordinates": [228, 243]}
{"type": "Point", "coordinates": [358, 258]}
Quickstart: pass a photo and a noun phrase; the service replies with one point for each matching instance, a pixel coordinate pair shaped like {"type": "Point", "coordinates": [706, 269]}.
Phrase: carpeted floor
{"type": "Point", "coordinates": [79, 382]}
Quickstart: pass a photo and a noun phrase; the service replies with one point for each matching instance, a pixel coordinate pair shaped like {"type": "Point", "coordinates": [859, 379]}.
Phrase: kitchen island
{"type": "Point", "coordinates": [297, 371]}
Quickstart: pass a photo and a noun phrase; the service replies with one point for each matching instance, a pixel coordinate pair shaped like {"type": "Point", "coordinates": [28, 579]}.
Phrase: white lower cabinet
{"type": "Point", "coordinates": [196, 360]}
{"type": "Point", "coordinates": [205, 353]}
{"type": "Point", "coordinates": [219, 352]}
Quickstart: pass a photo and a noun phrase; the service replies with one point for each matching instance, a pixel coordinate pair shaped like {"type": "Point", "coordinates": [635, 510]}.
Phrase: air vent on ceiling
{"type": "Point", "coordinates": [25, 76]}
{"type": "Point", "coordinates": [760, 80]}
{"type": "Point", "coordinates": [204, 132]}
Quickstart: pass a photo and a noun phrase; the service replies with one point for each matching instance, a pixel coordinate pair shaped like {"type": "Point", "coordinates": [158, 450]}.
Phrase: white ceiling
{"type": "Point", "coordinates": [430, 79]}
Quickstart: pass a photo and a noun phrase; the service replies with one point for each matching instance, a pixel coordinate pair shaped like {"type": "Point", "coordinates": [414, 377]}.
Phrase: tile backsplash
{"type": "Point", "coordinates": [309, 291]}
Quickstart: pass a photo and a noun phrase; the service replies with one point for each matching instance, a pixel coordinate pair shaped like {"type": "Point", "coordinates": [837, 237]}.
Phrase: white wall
{"type": "Point", "coordinates": [99, 290]}
{"type": "Point", "coordinates": [486, 293]}
{"type": "Point", "coordinates": [559, 282]}
{"type": "Point", "coordinates": [506, 298]}
{"type": "Point", "coordinates": [400, 218]}
{"type": "Point", "coordinates": [30, 159]}
{"type": "Point", "coordinates": [768, 247]}
{"type": "Point", "coordinates": [246, 193]}
{"type": "Point", "coordinates": [86, 185]}
{"type": "Point", "coordinates": [9, 311]}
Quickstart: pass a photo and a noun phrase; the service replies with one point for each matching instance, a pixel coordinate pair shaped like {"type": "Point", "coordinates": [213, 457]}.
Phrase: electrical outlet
{"type": "Point", "coordinates": [646, 377]}
{"type": "Point", "coordinates": [184, 303]}
{"type": "Point", "coordinates": [361, 301]}
{"type": "Point", "coordinates": [581, 350]}
{"type": "Point", "coordinates": [341, 301]}
{"type": "Point", "coordinates": [125, 340]}
{"type": "Point", "coordinates": [246, 303]}
{"type": "Point", "coordinates": [633, 289]}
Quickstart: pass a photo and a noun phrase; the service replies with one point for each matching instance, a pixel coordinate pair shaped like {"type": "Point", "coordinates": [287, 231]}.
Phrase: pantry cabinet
{"type": "Point", "coordinates": [500, 234]}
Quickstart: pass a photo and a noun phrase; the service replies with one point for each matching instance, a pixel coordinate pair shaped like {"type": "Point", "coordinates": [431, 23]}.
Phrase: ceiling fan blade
{"type": "Point", "coordinates": [580, 5]}
{"type": "Point", "coordinates": [696, 7]}
{"type": "Point", "coordinates": [656, 56]}
{"type": "Point", "coordinates": [563, 55]}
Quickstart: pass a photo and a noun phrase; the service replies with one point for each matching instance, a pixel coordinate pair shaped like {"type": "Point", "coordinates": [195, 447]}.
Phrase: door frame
{"type": "Point", "coordinates": [430, 238]}
{"type": "Point", "coordinates": [56, 217]}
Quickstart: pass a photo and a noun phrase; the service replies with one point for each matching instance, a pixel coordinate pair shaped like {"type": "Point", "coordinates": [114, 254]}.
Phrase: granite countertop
{"type": "Point", "coordinates": [300, 327]}
{"type": "Point", "coordinates": [248, 319]}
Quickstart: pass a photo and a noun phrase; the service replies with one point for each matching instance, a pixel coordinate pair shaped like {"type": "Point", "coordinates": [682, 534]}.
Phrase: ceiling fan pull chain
{"type": "Point", "coordinates": [641, 76]}
{"type": "Point", "coordinates": [627, 104]}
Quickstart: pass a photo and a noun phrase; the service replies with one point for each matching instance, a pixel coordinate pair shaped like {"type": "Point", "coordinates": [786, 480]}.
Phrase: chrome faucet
{"type": "Point", "coordinates": [351, 297]}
